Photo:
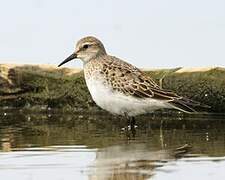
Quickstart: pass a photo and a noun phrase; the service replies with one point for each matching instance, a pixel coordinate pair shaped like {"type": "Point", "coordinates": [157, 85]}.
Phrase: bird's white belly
{"type": "Point", "coordinates": [118, 103]}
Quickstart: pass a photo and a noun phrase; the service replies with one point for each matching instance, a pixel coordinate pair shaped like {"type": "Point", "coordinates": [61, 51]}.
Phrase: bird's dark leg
{"type": "Point", "coordinates": [128, 119]}
{"type": "Point", "coordinates": [130, 125]}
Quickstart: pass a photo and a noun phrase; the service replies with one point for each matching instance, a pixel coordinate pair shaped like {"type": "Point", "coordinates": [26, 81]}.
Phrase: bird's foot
{"type": "Point", "coordinates": [129, 128]}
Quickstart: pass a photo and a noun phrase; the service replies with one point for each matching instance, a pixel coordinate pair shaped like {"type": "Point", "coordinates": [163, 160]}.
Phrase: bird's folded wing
{"type": "Point", "coordinates": [129, 80]}
{"type": "Point", "coordinates": [144, 87]}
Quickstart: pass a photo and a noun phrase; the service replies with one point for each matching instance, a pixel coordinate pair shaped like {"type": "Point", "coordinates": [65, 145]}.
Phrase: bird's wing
{"type": "Point", "coordinates": [129, 80]}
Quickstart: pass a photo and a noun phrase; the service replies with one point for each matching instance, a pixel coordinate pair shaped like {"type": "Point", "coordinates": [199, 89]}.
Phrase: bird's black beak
{"type": "Point", "coordinates": [71, 57]}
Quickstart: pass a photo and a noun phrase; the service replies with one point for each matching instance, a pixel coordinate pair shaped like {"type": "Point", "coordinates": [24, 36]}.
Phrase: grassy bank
{"type": "Point", "coordinates": [30, 86]}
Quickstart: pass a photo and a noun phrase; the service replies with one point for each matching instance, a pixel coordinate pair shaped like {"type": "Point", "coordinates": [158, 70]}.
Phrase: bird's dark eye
{"type": "Point", "coordinates": [86, 46]}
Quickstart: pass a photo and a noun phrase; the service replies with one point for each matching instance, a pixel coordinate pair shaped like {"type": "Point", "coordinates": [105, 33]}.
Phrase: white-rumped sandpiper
{"type": "Point", "coordinates": [120, 87]}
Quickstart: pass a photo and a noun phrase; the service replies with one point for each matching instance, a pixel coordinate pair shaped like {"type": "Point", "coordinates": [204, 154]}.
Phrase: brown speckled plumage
{"type": "Point", "coordinates": [126, 79]}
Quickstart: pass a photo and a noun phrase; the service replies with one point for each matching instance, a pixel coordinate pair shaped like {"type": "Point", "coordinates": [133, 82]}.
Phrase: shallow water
{"type": "Point", "coordinates": [55, 145]}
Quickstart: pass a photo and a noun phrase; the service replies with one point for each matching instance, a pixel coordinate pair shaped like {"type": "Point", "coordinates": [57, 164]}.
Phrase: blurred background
{"type": "Point", "coordinates": [146, 33]}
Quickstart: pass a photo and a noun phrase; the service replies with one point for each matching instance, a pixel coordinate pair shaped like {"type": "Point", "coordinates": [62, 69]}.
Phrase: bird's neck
{"type": "Point", "coordinates": [93, 60]}
{"type": "Point", "coordinates": [93, 67]}
{"type": "Point", "coordinates": [98, 56]}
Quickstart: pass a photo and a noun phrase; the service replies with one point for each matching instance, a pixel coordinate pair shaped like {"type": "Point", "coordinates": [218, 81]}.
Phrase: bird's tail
{"type": "Point", "coordinates": [188, 106]}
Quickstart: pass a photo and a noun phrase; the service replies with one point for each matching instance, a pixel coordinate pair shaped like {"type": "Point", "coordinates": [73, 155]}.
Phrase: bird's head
{"type": "Point", "coordinates": [86, 49]}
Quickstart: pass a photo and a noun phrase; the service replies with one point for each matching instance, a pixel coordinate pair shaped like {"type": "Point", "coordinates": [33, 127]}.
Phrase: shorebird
{"type": "Point", "coordinates": [120, 87]}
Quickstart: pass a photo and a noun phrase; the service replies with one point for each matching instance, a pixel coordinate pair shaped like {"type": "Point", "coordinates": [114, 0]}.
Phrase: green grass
{"type": "Point", "coordinates": [35, 87]}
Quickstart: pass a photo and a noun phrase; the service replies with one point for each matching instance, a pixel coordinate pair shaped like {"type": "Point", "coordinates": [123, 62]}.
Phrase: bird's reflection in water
{"type": "Point", "coordinates": [132, 161]}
